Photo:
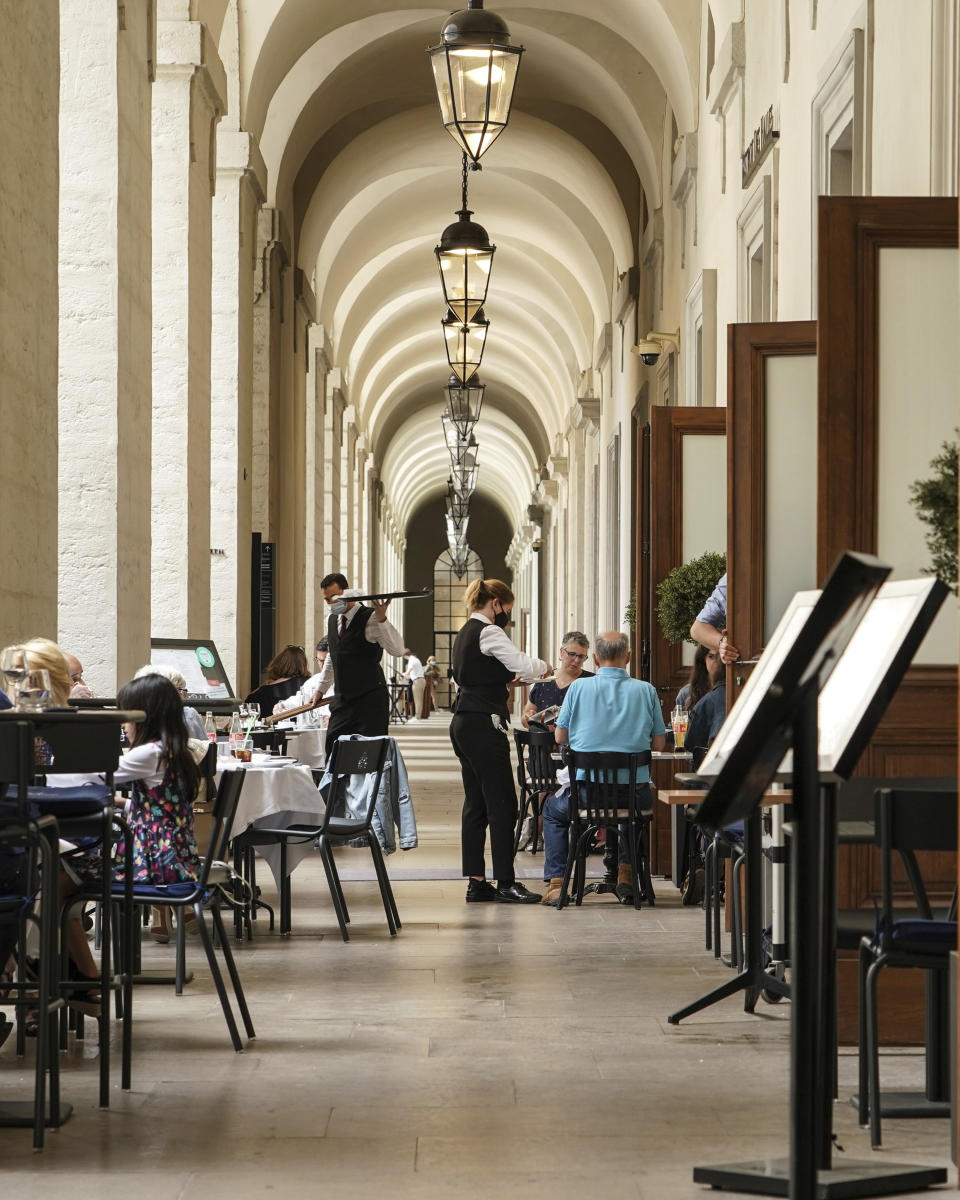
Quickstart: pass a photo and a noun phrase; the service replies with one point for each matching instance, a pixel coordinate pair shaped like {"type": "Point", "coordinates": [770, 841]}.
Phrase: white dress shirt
{"type": "Point", "coordinates": [414, 669]}
{"type": "Point", "coordinates": [381, 632]}
{"type": "Point", "coordinates": [495, 643]}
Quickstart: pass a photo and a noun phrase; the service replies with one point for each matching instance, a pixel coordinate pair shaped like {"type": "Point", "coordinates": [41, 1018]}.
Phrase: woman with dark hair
{"type": "Point", "coordinates": [286, 674]}
{"type": "Point", "coordinates": [161, 766]}
{"type": "Point", "coordinates": [699, 683]}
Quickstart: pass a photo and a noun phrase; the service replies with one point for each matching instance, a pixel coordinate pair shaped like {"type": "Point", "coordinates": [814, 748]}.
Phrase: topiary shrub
{"type": "Point", "coordinates": [935, 500]}
{"type": "Point", "coordinates": [683, 593]}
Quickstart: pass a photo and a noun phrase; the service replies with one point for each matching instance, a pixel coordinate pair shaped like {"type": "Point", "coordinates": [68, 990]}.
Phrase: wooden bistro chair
{"type": "Point", "coordinates": [599, 801]}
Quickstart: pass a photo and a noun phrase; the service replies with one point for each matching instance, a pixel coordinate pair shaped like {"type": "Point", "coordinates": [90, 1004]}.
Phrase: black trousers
{"type": "Point", "coordinates": [368, 715]}
{"type": "Point", "coordinates": [490, 798]}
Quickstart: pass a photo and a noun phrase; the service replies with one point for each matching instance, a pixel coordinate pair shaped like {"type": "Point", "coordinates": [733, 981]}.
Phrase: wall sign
{"type": "Point", "coordinates": [764, 136]}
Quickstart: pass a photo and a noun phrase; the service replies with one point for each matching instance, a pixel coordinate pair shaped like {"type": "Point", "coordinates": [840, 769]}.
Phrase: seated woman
{"type": "Point", "coordinates": [697, 685]}
{"type": "Point", "coordinates": [549, 693]}
{"type": "Point", "coordinates": [190, 715]}
{"type": "Point", "coordinates": [309, 693]}
{"type": "Point", "coordinates": [286, 673]}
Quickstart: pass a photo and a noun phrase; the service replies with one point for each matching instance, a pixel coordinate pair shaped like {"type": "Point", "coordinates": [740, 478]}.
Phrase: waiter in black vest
{"type": "Point", "coordinates": [357, 636]}
{"type": "Point", "coordinates": [485, 662]}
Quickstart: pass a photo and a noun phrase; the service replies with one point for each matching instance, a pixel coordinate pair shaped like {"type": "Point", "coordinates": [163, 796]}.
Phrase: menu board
{"type": "Point", "coordinates": [198, 662]}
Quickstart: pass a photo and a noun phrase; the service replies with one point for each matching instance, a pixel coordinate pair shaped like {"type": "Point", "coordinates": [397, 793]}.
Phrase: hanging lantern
{"type": "Point", "coordinates": [464, 401]}
{"type": "Point", "coordinates": [465, 257]}
{"type": "Point", "coordinates": [465, 341]}
{"type": "Point", "coordinates": [475, 71]}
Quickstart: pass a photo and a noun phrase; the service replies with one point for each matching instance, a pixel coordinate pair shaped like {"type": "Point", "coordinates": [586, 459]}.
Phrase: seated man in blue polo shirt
{"type": "Point", "coordinates": [610, 712]}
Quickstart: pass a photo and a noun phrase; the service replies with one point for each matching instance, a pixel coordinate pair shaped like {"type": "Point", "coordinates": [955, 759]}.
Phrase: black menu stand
{"type": "Point", "coordinates": [788, 715]}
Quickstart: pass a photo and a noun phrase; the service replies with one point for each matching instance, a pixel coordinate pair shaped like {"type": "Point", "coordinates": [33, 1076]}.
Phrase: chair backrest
{"type": "Point", "coordinates": [857, 797]}
{"type": "Point", "coordinates": [911, 819]}
{"type": "Point", "coordinates": [600, 792]}
{"type": "Point", "coordinates": [352, 759]}
{"type": "Point", "coordinates": [541, 767]}
{"type": "Point", "coordinates": [79, 746]}
{"type": "Point", "coordinates": [207, 767]}
{"type": "Point", "coordinates": [521, 739]}
{"type": "Point", "coordinates": [16, 766]}
{"type": "Point", "coordinates": [224, 813]}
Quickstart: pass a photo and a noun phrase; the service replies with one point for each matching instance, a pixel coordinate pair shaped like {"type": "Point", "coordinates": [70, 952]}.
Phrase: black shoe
{"type": "Point", "coordinates": [624, 892]}
{"type": "Point", "coordinates": [516, 893]}
{"type": "Point", "coordinates": [480, 891]}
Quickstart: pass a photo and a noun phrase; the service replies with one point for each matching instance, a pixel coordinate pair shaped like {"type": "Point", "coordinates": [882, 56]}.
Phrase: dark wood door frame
{"type": "Point", "coordinates": [749, 346]}
{"type": "Point", "coordinates": [668, 427]}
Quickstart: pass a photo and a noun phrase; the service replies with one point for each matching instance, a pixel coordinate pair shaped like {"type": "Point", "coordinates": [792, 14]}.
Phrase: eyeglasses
{"type": "Point", "coordinates": [570, 654]}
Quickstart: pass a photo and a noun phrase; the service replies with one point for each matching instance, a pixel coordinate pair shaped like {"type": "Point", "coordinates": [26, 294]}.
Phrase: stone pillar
{"type": "Point", "coordinates": [188, 98]}
{"type": "Point", "coordinates": [332, 472]}
{"type": "Point", "coordinates": [348, 512]}
{"type": "Point", "coordinates": [318, 370]}
{"type": "Point", "coordinates": [273, 258]}
{"type": "Point", "coordinates": [241, 184]}
{"type": "Point", "coordinates": [29, 84]}
{"type": "Point", "coordinates": [105, 336]}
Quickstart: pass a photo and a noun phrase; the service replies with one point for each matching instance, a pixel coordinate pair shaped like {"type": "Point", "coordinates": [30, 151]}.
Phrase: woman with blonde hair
{"type": "Point", "coordinates": [44, 655]}
{"type": "Point", "coordinates": [485, 663]}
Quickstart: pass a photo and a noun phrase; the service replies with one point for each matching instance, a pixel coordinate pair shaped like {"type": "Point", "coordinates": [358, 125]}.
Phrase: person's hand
{"type": "Point", "coordinates": [548, 673]}
{"type": "Point", "coordinates": [380, 609]}
{"type": "Point", "coordinates": [728, 652]}
{"type": "Point", "coordinates": [525, 720]}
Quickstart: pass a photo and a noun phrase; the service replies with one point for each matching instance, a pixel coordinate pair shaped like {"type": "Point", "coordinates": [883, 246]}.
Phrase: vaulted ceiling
{"type": "Point", "coordinates": [340, 96]}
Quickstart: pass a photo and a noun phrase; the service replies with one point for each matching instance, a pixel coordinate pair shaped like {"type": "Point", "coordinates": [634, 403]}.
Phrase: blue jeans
{"type": "Point", "coordinates": [556, 832]}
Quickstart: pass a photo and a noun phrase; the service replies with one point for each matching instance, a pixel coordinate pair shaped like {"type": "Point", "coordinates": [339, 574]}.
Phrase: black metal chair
{"type": "Point", "coordinates": [202, 896]}
{"type": "Point", "coordinates": [600, 800]}
{"type": "Point", "coordinates": [32, 846]}
{"type": "Point", "coordinates": [536, 778]}
{"type": "Point", "coordinates": [907, 821]}
{"type": "Point", "coordinates": [342, 824]}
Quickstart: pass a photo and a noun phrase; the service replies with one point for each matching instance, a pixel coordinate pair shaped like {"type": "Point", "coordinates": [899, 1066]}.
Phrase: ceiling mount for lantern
{"type": "Point", "coordinates": [465, 341]}
{"type": "Point", "coordinates": [475, 71]}
{"type": "Point", "coordinates": [465, 257]}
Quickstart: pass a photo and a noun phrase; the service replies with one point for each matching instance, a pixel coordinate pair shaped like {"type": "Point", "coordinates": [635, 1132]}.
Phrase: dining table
{"type": "Point", "coordinates": [277, 792]}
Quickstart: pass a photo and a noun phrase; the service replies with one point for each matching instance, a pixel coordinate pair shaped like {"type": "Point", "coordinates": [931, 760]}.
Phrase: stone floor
{"type": "Point", "coordinates": [511, 1051]}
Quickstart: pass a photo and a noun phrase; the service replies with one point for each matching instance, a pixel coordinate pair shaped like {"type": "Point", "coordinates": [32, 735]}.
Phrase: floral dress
{"type": "Point", "coordinates": [160, 816]}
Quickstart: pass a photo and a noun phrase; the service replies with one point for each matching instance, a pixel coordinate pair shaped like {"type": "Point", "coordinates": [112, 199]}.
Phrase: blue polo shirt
{"type": "Point", "coordinates": [611, 712]}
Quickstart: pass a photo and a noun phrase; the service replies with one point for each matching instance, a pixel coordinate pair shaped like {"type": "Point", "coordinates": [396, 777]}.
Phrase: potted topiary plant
{"type": "Point", "coordinates": [683, 593]}
{"type": "Point", "coordinates": [935, 500]}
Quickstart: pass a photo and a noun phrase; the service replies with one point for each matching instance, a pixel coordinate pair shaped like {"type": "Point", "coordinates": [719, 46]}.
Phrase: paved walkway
{"type": "Point", "coordinates": [494, 1050]}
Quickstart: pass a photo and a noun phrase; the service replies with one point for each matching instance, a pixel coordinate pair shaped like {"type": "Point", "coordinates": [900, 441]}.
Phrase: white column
{"type": "Point", "coordinates": [105, 350]}
{"type": "Point", "coordinates": [318, 367]}
{"type": "Point", "coordinates": [241, 181]}
{"type": "Point", "coordinates": [188, 99]}
{"type": "Point", "coordinates": [333, 466]}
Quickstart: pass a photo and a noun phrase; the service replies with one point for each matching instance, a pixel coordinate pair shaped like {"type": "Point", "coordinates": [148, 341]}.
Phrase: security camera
{"type": "Point", "coordinates": [653, 346]}
{"type": "Point", "coordinates": [537, 545]}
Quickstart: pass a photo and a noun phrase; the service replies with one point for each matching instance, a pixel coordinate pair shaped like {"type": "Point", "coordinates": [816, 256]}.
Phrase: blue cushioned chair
{"type": "Point", "coordinates": [32, 847]}
{"type": "Point", "coordinates": [908, 820]}
{"type": "Point", "coordinates": [202, 896]}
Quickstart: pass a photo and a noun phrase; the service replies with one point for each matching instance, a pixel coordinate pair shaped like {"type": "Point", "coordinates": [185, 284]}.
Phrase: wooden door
{"type": "Point", "coordinates": [771, 483]}
{"type": "Point", "coordinates": [887, 372]}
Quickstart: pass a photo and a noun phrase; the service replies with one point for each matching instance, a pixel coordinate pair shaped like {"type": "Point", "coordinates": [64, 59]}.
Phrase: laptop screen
{"type": "Point", "coordinates": [198, 662]}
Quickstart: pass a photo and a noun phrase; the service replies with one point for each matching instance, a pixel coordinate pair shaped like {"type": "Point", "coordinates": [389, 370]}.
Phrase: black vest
{"type": "Point", "coordinates": [482, 679]}
{"type": "Point", "coordinates": [356, 662]}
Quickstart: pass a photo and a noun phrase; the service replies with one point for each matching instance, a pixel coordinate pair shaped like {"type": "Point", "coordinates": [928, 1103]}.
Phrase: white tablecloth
{"type": "Point", "coordinates": [307, 745]}
{"type": "Point", "coordinates": [276, 798]}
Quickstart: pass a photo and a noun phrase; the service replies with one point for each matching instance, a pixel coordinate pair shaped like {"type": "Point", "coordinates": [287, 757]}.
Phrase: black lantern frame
{"type": "Point", "coordinates": [464, 401]}
{"type": "Point", "coordinates": [465, 341]}
{"type": "Point", "coordinates": [475, 71]}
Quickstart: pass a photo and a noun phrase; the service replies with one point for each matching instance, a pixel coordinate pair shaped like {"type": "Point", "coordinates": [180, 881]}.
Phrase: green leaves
{"type": "Point", "coordinates": [684, 592]}
{"type": "Point", "coordinates": [935, 500]}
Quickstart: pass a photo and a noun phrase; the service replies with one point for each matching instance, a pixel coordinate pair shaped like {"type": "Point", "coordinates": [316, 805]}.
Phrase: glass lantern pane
{"type": "Point", "coordinates": [441, 79]}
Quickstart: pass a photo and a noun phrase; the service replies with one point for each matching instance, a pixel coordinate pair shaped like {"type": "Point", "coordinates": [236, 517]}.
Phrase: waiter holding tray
{"type": "Point", "coordinates": [357, 636]}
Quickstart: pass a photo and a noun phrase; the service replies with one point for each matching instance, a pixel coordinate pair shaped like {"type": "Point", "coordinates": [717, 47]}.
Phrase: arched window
{"type": "Point", "coordinates": [448, 612]}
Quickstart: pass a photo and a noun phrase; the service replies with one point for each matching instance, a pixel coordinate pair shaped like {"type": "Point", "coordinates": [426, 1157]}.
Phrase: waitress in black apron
{"type": "Point", "coordinates": [485, 661]}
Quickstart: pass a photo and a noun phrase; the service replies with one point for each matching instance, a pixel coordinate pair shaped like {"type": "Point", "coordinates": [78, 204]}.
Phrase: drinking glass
{"type": "Point", "coordinates": [33, 691]}
{"type": "Point", "coordinates": [14, 667]}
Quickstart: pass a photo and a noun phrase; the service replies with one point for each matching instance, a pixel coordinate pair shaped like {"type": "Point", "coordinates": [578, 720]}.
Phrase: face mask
{"type": "Point", "coordinates": [338, 607]}
{"type": "Point", "coordinates": [502, 619]}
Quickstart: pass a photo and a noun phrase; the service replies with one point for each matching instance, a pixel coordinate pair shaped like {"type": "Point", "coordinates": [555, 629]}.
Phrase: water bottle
{"type": "Point", "coordinates": [209, 728]}
{"type": "Point", "coordinates": [236, 733]}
